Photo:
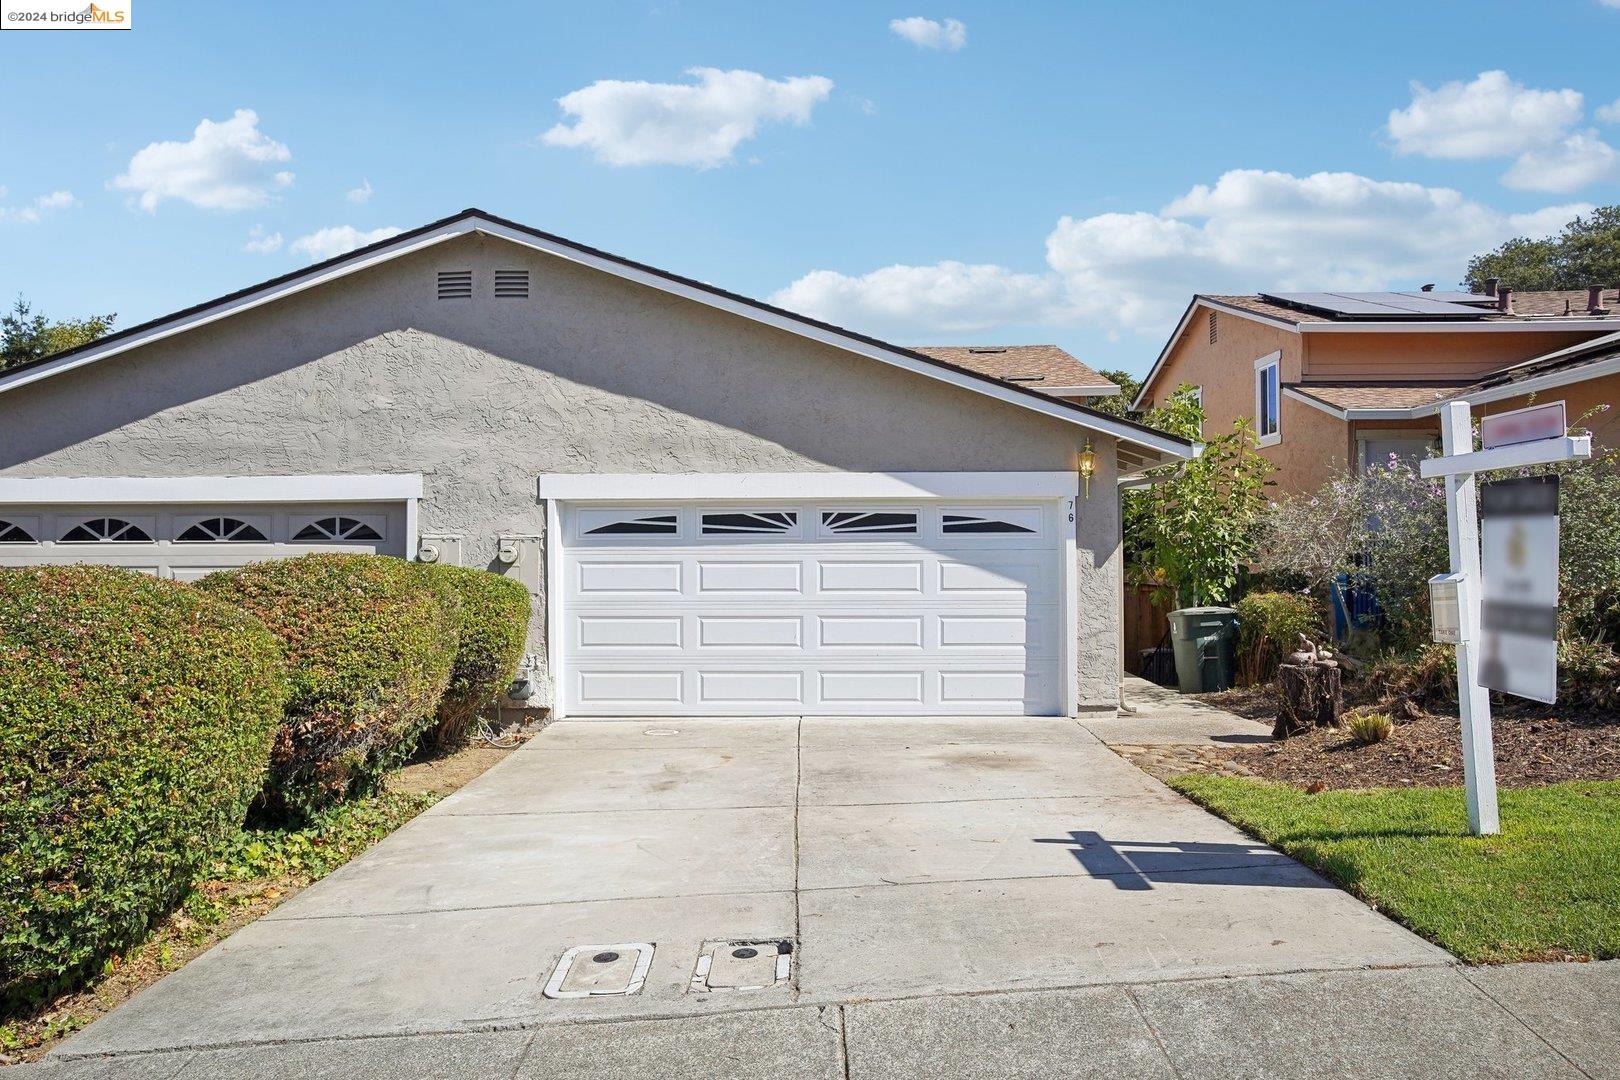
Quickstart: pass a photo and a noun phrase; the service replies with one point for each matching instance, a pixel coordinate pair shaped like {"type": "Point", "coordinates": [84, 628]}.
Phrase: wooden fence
{"type": "Point", "coordinates": [1146, 623]}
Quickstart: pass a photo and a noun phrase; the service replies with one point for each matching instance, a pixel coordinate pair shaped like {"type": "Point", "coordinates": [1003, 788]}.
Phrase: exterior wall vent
{"type": "Point", "coordinates": [455, 284]}
{"type": "Point", "coordinates": [513, 284]}
{"type": "Point", "coordinates": [1214, 327]}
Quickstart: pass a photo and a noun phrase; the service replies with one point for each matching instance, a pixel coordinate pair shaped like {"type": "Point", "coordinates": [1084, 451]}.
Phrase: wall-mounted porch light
{"type": "Point", "coordinates": [1088, 465]}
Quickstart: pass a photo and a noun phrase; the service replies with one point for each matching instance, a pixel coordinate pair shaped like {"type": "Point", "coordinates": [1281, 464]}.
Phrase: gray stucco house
{"type": "Point", "coordinates": [720, 507]}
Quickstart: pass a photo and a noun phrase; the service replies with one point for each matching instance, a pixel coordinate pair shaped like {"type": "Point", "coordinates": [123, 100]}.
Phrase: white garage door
{"type": "Point", "coordinates": [783, 608]}
{"type": "Point", "coordinates": [186, 542]}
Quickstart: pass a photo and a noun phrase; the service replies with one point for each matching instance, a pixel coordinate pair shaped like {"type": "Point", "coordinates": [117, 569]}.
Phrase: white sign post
{"type": "Point", "coordinates": [1458, 464]}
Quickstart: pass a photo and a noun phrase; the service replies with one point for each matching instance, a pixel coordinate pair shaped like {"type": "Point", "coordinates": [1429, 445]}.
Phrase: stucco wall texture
{"type": "Point", "coordinates": [591, 373]}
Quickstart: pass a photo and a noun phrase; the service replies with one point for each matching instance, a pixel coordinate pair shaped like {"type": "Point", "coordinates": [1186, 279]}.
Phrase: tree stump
{"type": "Point", "coordinates": [1309, 696]}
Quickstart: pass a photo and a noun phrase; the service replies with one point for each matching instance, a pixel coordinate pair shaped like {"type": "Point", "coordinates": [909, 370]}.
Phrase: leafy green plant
{"type": "Point", "coordinates": [136, 717]}
{"type": "Point", "coordinates": [1369, 728]}
{"type": "Point", "coordinates": [493, 627]}
{"type": "Point", "coordinates": [313, 850]}
{"type": "Point", "coordinates": [369, 645]}
{"type": "Point", "coordinates": [1194, 529]}
{"type": "Point", "coordinates": [1269, 627]}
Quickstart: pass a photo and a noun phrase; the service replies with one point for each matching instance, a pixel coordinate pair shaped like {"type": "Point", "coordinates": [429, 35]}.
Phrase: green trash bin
{"type": "Point", "coordinates": [1205, 643]}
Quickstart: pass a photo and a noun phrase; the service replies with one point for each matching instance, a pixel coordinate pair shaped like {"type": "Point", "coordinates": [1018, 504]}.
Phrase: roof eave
{"type": "Point", "coordinates": [474, 220]}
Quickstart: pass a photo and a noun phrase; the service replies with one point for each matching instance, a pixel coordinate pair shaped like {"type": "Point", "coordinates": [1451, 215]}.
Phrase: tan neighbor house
{"type": "Point", "coordinates": [1339, 380]}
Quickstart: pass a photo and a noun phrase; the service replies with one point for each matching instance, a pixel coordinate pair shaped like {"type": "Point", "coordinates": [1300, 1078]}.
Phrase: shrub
{"type": "Point", "coordinates": [494, 625]}
{"type": "Point", "coordinates": [136, 717]}
{"type": "Point", "coordinates": [369, 643]}
{"type": "Point", "coordinates": [1588, 673]}
{"type": "Point", "coordinates": [1269, 627]}
{"type": "Point", "coordinates": [1369, 728]}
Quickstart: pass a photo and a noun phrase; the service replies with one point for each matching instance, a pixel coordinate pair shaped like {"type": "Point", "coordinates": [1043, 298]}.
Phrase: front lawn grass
{"type": "Point", "coordinates": [1547, 888]}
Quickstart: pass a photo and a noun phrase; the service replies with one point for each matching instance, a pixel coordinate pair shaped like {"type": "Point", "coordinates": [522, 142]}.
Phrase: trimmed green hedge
{"type": "Point", "coordinates": [494, 625]}
{"type": "Point", "coordinates": [1269, 627]}
{"type": "Point", "coordinates": [368, 651]}
{"type": "Point", "coordinates": [136, 716]}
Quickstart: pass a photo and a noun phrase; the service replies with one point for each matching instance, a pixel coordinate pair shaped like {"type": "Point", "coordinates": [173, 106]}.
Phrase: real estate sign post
{"type": "Point", "coordinates": [1517, 576]}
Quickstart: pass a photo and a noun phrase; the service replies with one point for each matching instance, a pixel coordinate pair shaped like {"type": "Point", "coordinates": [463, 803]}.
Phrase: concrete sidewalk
{"type": "Point", "coordinates": [1525, 1021]}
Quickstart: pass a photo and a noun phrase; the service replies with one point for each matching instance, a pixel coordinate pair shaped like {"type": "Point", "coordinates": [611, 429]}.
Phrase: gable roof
{"type": "Point", "coordinates": [1046, 368]}
{"type": "Point", "coordinates": [1160, 448]}
{"type": "Point", "coordinates": [1560, 310]}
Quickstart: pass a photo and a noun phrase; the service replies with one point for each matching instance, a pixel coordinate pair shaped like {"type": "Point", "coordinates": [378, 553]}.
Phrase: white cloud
{"type": "Point", "coordinates": [1575, 162]}
{"type": "Point", "coordinates": [262, 243]}
{"type": "Point", "coordinates": [1493, 116]}
{"type": "Point", "coordinates": [337, 239]}
{"type": "Point", "coordinates": [226, 165]}
{"type": "Point", "coordinates": [921, 302]}
{"type": "Point", "coordinates": [1250, 230]}
{"type": "Point", "coordinates": [30, 212]}
{"type": "Point", "coordinates": [360, 194]}
{"type": "Point", "coordinates": [1610, 113]}
{"type": "Point", "coordinates": [949, 35]}
{"type": "Point", "coordinates": [698, 124]}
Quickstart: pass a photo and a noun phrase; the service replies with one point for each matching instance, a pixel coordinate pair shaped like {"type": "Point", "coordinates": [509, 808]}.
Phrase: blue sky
{"type": "Point", "coordinates": [1064, 172]}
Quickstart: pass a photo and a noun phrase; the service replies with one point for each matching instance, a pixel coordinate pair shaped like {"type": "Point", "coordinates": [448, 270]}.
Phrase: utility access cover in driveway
{"type": "Point", "coordinates": [600, 970]}
{"type": "Point", "coordinates": [743, 965]}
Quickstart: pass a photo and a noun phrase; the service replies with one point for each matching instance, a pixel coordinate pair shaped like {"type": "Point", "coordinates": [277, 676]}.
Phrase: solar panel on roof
{"type": "Point", "coordinates": [1382, 306]}
{"type": "Point", "coordinates": [1455, 297]}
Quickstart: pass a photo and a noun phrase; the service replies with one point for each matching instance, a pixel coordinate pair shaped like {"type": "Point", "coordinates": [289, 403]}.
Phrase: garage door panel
{"type": "Point", "coordinates": [733, 687]}
{"type": "Point", "coordinates": [870, 631]}
{"type": "Point", "coordinates": [984, 631]}
{"type": "Point", "coordinates": [750, 576]}
{"type": "Point", "coordinates": [895, 576]}
{"type": "Point", "coordinates": [629, 631]}
{"type": "Point", "coordinates": [731, 632]}
{"type": "Point", "coordinates": [845, 687]}
{"type": "Point", "coordinates": [994, 577]}
{"type": "Point", "coordinates": [639, 688]}
{"type": "Point", "coordinates": [601, 576]}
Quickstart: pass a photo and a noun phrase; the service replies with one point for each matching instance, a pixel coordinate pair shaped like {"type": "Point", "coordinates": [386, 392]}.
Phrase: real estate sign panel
{"type": "Point", "coordinates": [1519, 615]}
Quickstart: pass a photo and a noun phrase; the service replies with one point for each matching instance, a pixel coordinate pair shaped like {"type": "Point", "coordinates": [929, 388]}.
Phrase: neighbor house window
{"type": "Point", "coordinates": [1268, 398]}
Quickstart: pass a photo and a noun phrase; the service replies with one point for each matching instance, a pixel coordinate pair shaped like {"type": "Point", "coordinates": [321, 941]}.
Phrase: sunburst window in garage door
{"type": "Point", "coordinates": [885, 522]}
{"type": "Point", "coordinates": [1011, 521]}
{"type": "Point", "coordinates": [222, 530]}
{"type": "Point", "coordinates": [12, 533]}
{"type": "Point", "coordinates": [338, 529]}
{"type": "Point", "coordinates": [750, 523]}
{"type": "Point", "coordinates": [629, 523]}
{"type": "Point", "coordinates": [106, 530]}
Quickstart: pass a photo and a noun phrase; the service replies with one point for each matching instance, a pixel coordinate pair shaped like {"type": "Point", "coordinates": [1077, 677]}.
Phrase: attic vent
{"type": "Point", "coordinates": [986, 349]}
{"type": "Point", "coordinates": [512, 283]}
{"type": "Point", "coordinates": [1214, 327]}
{"type": "Point", "coordinates": [455, 284]}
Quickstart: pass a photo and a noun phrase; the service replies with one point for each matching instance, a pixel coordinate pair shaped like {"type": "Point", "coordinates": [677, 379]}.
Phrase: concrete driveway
{"type": "Point", "coordinates": [897, 858]}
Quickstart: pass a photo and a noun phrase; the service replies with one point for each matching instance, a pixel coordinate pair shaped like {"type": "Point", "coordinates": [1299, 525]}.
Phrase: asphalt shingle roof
{"type": "Point", "coordinates": [1035, 367]}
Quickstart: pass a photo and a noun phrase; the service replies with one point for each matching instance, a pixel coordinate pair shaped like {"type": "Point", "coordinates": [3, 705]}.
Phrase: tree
{"type": "Point", "coordinates": [1587, 252]}
{"type": "Point", "coordinates": [1195, 526]}
{"type": "Point", "coordinates": [1118, 404]}
{"type": "Point", "coordinates": [26, 335]}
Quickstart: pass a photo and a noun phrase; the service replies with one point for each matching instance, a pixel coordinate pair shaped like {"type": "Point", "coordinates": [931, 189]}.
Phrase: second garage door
{"type": "Point", "coordinates": [786, 608]}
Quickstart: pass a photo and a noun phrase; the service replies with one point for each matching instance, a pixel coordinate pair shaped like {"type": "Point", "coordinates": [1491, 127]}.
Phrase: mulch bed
{"type": "Point", "coordinates": [1534, 745]}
